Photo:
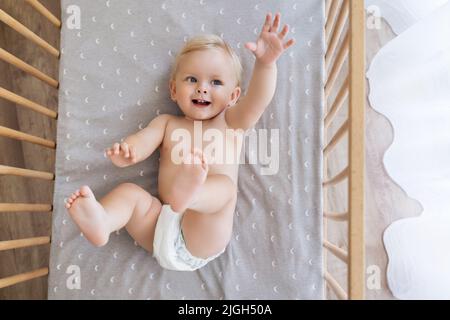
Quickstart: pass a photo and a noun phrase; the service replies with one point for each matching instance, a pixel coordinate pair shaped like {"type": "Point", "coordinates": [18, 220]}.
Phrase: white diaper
{"type": "Point", "coordinates": [169, 247]}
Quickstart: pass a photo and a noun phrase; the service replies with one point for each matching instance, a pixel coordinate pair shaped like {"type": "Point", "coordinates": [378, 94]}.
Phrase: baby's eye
{"type": "Point", "coordinates": [217, 82]}
{"type": "Point", "coordinates": [191, 79]}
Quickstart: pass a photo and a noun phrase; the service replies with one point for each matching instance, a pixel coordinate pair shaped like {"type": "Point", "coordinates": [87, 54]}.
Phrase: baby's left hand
{"type": "Point", "coordinates": [269, 46]}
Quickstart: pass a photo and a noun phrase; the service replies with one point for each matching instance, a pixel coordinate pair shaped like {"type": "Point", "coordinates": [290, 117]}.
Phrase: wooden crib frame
{"type": "Point", "coordinates": [343, 44]}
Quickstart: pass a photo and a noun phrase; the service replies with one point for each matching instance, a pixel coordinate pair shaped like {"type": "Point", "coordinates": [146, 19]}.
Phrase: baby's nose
{"type": "Point", "coordinates": [203, 90]}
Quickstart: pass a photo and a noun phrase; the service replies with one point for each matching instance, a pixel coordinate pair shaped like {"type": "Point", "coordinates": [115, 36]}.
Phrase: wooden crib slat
{"type": "Point", "coordinates": [25, 207]}
{"type": "Point", "coordinates": [7, 170]}
{"type": "Point", "coordinates": [337, 32]}
{"type": "Point", "coordinates": [11, 96]}
{"type": "Point", "coordinates": [338, 103]}
{"type": "Point", "coordinates": [327, 8]}
{"type": "Point", "coordinates": [336, 216]}
{"type": "Point", "coordinates": [356, 191]}
{"type": "Point", "coordinates": [14, 134]}
{"type": "Point", "coordinates": [334, 285]}
{"type": "Point", "coordinates": [341, 176]}
{"type": "Point", "coordinates": [22, 65]}
{"type": "Point", "coordinates": [331, 18]}
{"type": "Point", "coordinates": [27, 33]}
{"type": "Point", "coordinates": [338, 252]}
{"type": "Point", "coordinates": [45, 12]}
{"type": "Point", "coordinates": [22, 243]}
{"type": "Point", "coordinates": [337, 137]}
{"type": "Point", "coordinates": [337, 65]}
{"type": "Point", "coordinates": [9, 281]}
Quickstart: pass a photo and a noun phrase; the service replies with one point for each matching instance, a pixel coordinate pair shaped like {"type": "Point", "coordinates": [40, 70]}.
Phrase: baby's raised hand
{"type": "Point", "coordinates": [269, 46]}
{"type": "Point", "coordinates": [122, 154]}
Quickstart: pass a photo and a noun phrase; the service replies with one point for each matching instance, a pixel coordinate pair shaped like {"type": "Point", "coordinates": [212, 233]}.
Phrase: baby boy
{"type": "Point", "coordinates": [191, 222]}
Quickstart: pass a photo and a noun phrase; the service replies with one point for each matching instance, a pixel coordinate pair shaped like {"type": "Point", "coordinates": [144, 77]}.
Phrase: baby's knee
{"type": "Point", "coordinates": [155, 207]}
{"type": "Point", "coordinates": [131, 187]}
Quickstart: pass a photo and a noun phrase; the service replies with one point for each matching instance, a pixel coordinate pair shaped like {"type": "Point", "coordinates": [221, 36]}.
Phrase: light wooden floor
{"type": "Point", "coordinates": [385, 201]}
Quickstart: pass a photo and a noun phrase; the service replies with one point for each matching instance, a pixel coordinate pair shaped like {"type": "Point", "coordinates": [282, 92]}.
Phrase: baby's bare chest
{"type": "Point", "coordinates": [220, 145]}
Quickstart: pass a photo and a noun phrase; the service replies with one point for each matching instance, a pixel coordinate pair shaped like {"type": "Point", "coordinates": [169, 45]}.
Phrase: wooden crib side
{"type": "Point", "coordinates": [345, 82]}
{"type": "Point", "coordinates": [14, 99]}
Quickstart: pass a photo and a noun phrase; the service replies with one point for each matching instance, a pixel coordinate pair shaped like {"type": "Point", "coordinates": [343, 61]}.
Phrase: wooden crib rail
{"type": "Point", "coordinates": [27, 33]}
{"type": "Point", "coordinates": [341, 46]}
{"type": "Point", "coordinates": [336, 216]}
{"type": "Point", "coordinates": [25, 207]}
{"type": "Point", "coordinates": [337, 137]}
{"type": "Point", "coordinates": [22, 65]}
{"type": "Point", "coordinates": [22, 243]}
{"type": "Point", "coordinates": [44, 11]}
{"type": "Point", "coordinates": [14, 134]}
{"type": "Point", "coordinates": [357, 102]}
{"type": "Point", "coordinates": [337, 66]}
{"type": "Point", "coordinates": [7, 170]}
{"type": "Point", "coordinates": [334, 285]}
{"type": "Point", "coordinates": [338, 103]}
{"type": "Point", "coordinates": [24, 102]}
{"type": "Point", "coordinates": [10, 281]}
{"type": "Point", "coordinates": [337, 32]}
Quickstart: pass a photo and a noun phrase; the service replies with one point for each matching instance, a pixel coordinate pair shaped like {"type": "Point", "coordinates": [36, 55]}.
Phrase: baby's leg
{"type": "Point", "coordinates": [127, 205]}
{"type": "Point", "coordinates": [217, 191]}
{"type": "Point", "coordinates": [193, 189]}
{"type": "Point", "coordinates": [190, 177]}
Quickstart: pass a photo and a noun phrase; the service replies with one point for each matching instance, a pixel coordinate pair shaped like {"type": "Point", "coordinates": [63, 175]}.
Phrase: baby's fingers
{"type": "Point", "coordinates": [276, 23]}
{"type": "Point", "coordinates": [288, 44]}
{"type": "Point", "coordinates": [266, 26]}
{"type": "Point", "coordinates": [125, 149]}
{"type": "Point", "coordinates": [116, 148]}
{"type": "Point", "coordinates": [283, 32]}
{"type": "Point", "coordinates": [133, 154]}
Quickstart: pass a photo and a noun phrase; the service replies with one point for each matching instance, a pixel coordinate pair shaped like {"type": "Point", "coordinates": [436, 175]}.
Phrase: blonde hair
{"type": "Point", "coordinates": [204, 42]}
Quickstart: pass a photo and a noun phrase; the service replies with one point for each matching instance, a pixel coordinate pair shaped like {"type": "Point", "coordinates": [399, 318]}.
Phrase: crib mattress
{"type": "Point", "coordinates": [114, 76]}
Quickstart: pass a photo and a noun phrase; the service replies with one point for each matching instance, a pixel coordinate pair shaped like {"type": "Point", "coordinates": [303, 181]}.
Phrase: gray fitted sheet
{"type": "Point", "coordinates": [114, 73]}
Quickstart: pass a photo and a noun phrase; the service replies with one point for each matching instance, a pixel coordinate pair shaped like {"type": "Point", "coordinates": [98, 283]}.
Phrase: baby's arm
{"type": "Point", "coordinates": [267, 50]}
{"type": "Point", "coordinates": [141, 145]}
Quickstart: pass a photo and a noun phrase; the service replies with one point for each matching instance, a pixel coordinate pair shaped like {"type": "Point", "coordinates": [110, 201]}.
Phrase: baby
{"type": "Point", "coordinates": [191, 222]}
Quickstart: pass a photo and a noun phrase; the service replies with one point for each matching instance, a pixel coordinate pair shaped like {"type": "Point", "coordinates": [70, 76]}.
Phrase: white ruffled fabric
{"type": "Point", "coordinates": [410, 84]}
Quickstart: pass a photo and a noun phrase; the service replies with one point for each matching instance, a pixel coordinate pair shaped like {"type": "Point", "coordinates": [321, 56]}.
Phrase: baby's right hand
{"type": "Point", "coordinates": [122, 154]}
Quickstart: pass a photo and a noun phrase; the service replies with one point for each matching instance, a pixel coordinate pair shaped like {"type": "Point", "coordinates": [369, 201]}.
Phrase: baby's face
{"type": "Point", "coordinates": [205, 84]}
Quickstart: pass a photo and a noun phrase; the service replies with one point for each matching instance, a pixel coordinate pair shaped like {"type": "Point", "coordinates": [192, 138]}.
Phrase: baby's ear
{"type": "Point", "coordinates": [235, 96]}
{"type": "Point", "coordinates": [173, 90]}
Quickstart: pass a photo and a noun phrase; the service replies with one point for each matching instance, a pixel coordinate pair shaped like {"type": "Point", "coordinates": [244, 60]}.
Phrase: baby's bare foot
{"type": "Point", "coordinates": [89, 215]}
{"type": "Point", "coordinates": [190, 177]}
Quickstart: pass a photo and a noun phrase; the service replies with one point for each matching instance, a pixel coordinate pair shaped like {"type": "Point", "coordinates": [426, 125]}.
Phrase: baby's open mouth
{"type": "Point", "coordinates": [201, 103]}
